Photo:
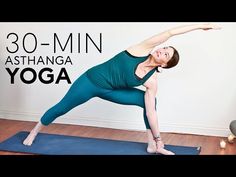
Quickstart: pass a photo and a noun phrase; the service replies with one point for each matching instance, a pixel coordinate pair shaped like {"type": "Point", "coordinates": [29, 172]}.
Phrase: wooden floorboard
{"type": "Point", "coordinates": [209, 144]}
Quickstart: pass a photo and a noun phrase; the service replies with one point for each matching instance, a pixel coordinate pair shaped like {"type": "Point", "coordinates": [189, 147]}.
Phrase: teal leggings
{"type": "Point", "coordinates": [83, 89]}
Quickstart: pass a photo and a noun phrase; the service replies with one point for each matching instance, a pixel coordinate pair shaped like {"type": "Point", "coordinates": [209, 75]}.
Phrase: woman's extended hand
{"type": "Point", "coordinates": [208, 26]}
{"type": "Point", "coordinates": [160, 144]}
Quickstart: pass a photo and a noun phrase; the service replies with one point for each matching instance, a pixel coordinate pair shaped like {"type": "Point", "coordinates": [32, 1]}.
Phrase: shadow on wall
{"type": "Point", "coordinates": [232, 110]}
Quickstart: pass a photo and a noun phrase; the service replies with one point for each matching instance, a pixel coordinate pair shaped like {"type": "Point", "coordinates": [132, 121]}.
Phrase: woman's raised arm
{"type": "Point", "coordinates": [150, 43]}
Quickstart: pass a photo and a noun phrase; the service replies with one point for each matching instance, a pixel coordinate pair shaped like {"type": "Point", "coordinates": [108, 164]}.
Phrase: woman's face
{"type": "Point", "coordinates": [163, 55]}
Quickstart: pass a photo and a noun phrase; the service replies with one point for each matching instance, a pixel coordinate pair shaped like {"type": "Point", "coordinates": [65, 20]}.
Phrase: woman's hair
{"type": "Point", "coordinates": [173, 61]}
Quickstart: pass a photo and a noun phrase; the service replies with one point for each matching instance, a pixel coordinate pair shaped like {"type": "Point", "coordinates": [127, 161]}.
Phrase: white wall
{"type": "Point", "coordinates": [198, 96]}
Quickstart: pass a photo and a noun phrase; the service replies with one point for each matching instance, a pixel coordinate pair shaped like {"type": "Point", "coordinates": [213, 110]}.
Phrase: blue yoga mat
{"type": "Point", "coordinates": [51, 144]}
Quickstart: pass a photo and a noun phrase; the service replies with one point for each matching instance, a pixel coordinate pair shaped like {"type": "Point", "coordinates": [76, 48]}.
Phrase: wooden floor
{"type": "Point", "coordinates": [209, 144]}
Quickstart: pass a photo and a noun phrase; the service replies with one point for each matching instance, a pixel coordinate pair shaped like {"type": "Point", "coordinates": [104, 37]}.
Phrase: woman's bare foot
{"type": "Point", "coordinates": [30, 138]}
{"type": "Point", "coordinates": [152, 148]}
{"type": "Point", "coordinates": [164, 151]}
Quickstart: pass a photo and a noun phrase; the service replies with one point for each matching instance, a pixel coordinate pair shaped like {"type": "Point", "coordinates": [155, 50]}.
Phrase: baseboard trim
{"type": "Point", "coordinates": [117, 124]}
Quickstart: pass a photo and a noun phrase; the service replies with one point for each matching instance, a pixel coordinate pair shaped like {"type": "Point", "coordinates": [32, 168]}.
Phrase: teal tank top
{"type": "Point", "coordinates": [118, 72]}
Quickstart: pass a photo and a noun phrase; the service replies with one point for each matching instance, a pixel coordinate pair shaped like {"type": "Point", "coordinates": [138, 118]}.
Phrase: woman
{"type": "Point", "coordinates": [115, 79]}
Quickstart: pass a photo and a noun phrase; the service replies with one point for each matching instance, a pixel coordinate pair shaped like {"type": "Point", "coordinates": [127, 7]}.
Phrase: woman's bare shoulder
{"type": "Point", "coordinates": [138, 50]}
{"type": "Point", "coordinates": [151, 83]}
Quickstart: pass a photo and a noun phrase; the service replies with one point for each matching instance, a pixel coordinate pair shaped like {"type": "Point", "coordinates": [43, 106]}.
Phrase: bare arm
{"type": "Point", "coordinates": [149, 98]}
{"type": "Point", "coordinates": [147, 45]}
